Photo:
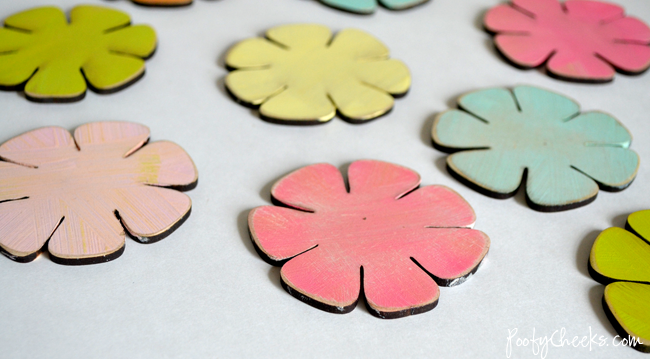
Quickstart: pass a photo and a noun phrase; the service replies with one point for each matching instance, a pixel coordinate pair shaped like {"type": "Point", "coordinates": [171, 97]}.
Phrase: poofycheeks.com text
{"type": "Point", "coordinates": [560, 339]}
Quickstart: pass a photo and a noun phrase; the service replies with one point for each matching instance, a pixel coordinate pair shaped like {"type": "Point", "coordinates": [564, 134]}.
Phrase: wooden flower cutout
{"type": "Point", "coordinates": [50, 57]}
{"type": "Point", "coordinates": [369, 6]}
{"type": "Point", "coordinates": [384, 238]}
{"type": "Point", "coordinates": [577, 40]}
{"type": "Point", "coordinates": [300, 75]}
{"type": "Point", "coordinates": [163, 2]}
{"type": "Point", "coordinates": [621, 260]}
{"type": "Point", "coordinates": [539, 138]}
{"type": "Point", "coordinates": [75, 196]}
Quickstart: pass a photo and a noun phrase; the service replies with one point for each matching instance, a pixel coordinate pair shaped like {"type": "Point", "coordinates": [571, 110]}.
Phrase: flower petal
{"type": "Point", "coordinates": [37, 19]}
{"type": "Point", "coordinates": [497, 172]}
{"type": "Point", "coordinates": [17, 67]}
{"type": "Point", "coordinates": [165, 164]}
{"type": "Point", "coordinates": [56, 80]}
{"type": "Point", "coordinates": [254, 86]}
{"type": "Point", "coordinates": [614, 167]}
{"type": "Point", "coordinates": [89, 231]}
{"type": "Point", "coordinates": [381, 179]}
{"type": "Point", "coordinates": [123, 138]}
{"type": "Point", "coordinates": [137, 40]}
{"type": "Point", "coordinates": [632, 58]}
{"type": "Point", "coordinates": [401, 4]}
{"type": "Point", "coordinates": [150, 213]}
{"type": "Point", "coordinates": [505, 18]}
{"type": "Point", "coordinates": [542, 105]}
{"type": "Point", "coordinates": [300, 35]}
{"type": "Point", "coordinates": [12, 40]}
{"type": "Point", "coordinates": [36, 147]}
{"type": "Point", "coordinates": [450, 254]}
{"type": "Point", "coordinates": [435, 206]}
{"type": "Point", "coordinates": [254, 53]}
{"type": "Point", "coordinates": [639, 222]}
{"type": "Point", "coordinates": [629, 304]}
{"type": "Point", "coordinates": [540, 8]}
{"type": "Point", "coordinates": [359, 45]}
{"type": "Point", "coordinates": [397, 287]}
{"type": "Point", "coordinates": [491, 105]}
{"type": "Point", "coordinates": [553, 185]}
{"type": "Point", "coordinates": [525, 50]}
{"type": "Point", "coordinates": [108, 71]}
{"type": "Point", "coordinates": [359, 102]}
{"type": "Point", "coordinates": [620, 255]}
{"type": "Point", "coordinates": [593, 11]}
{"type": "Point", "coordinates": [97, 17]}
{"type": "Point", "coordinates": [311, 188]}
{"type": "Point", "coordinates": [628, 29]}
{"type": "Point", "coordinates": [281, 233]}
{"type": "Point", "coordinates": [458, 130]}
{"type": "Point", "coordinates": [391, 75]}
{"type": "Point", "coordinates": [15, 182]}
{"type": "Point", "coordinates": [600, 129]}
{"type": "Point", "coordinates": [299, 105]}
{"type": "Point", "coordinates": [25, 225]}
{"type": "Point", "coordinates": [357, 6]}
{"type": "Point", "coordinates": [579, 66]}
{"type": "Point", "coordinates": [333, 282]}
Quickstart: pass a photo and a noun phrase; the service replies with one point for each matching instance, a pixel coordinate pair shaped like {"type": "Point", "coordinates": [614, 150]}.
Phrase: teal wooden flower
{"type": "Point", "coordinates": [539, 138]}
{"type": "Point", "coordinates": [369, 6]}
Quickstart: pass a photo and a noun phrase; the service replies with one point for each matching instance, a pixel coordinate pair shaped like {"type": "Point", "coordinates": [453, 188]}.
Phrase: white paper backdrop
{"type": "Point", "coordinates": [204, 292]}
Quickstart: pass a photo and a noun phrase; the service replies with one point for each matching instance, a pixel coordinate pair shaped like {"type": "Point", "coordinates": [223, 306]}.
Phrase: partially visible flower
{"type": "Point", "coordinates": [163, 2]}
{"type": "Point", "coordinates": [369, 6]}
{"type": "Point", "coordinates": [50, 57]}
{"type": "Point", "coordinates": [74, 197]}
{"type": "Point", "coordinates": [621, 260]}
{"type": "Point", "coordinates": [578, 40]}
{"type": "Point", "coordinates": [384, 239]}
{"type": "Point", "coordinates": [301, 75]}
{"type": "Point", "coordinates": [503, 135]}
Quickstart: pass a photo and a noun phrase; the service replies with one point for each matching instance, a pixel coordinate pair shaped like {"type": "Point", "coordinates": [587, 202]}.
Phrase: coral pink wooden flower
{"type": "Point", "coordinates": [578, 39]}
{"type": "Point", "coordinates": [68, 195]}
{"type": "Point", "coordinates": [382, 238]}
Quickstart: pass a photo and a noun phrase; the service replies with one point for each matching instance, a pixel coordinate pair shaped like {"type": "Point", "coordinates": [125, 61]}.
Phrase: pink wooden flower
{"type": "Point", "coordinates": [382, 238]}
{"type": "Point", "coordinates": [74, 192]}
{"type": "Point", "coordinates": [578, 39]}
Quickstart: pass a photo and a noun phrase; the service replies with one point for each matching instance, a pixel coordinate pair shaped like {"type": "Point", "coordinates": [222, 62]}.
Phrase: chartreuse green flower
{"type": "Point", "coordinates": [621, 259]}
{"type": "Point", "coordinates": [50, 57]}
{"type": "Point", "coordinates": [538, 137]}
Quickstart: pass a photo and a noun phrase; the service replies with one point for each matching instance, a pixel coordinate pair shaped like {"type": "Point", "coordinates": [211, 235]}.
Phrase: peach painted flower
{"type": "Point", "coordinates": [75, 196]}
{"type": "Point", "coordinates": [578, 40]}
{"type": "Point", "coordinates": [384, 238]}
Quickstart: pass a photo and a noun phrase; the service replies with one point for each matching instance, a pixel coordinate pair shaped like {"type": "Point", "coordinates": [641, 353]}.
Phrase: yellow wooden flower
{"type": "Point", "coordinates": [50, 57]}
{"type": "Point", "coordinates": [621, 259]}
{"type": "Point", "coordinates": [300, 75]}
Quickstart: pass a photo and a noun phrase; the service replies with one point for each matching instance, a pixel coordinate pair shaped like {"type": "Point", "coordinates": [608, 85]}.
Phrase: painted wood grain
{"type": "Point", "coordinates": [529, 135]}
{"type": "Point", "coordinates": [576, 40]}
{"type": "Point", "coordinates": [75, 195]}
{"type": "Point", "coordinates": [301, 75]}
{"type": "Point", "coordinates": [384, 235]}
{"type": "Point", "coordinates": [55, 61]}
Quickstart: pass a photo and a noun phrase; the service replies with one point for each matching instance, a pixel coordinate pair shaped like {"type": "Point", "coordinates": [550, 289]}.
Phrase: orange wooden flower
{"type": "Point", "coordinates": [74, 196]}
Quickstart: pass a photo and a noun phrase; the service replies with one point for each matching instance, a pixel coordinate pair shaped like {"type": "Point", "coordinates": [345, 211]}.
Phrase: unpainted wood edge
{"type": "Point", "coordinates": [54, 99]}
{"type": "Point", "coordinates": [89, 260]}
{"type": "Point", "coordinates": [559, 208]}
{"type": "Point", "coordinates": [316, 303]}
{"type": "Point", "coordinates": [23, 259]}
{"type": "Point", "coordinates": [467, 182]}
{"type": "Point", "coordinates": [597, 276]}
{"type": "Point", "coordinates": [644, 348]}
{"type": "Point", "coordinates": [349, 11]}
{"type": "Point", "coordinates": [114, 89]}
{"type": "Point", "coordinates": [403, 8]}
{"type": "Point", "coordinates": [188, 3]}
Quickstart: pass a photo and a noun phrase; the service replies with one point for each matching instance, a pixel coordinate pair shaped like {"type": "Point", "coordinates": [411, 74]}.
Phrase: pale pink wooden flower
{"type": "Point", "coordinates": [75, 196]}
{"type": "Point", "coordinates": [382, 239]}
{"type": "Point", "coordinates": [578, 40]}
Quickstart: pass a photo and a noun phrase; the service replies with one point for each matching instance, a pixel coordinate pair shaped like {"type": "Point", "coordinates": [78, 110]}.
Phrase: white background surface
{"type": "Point", "coordinates": [204, 292]}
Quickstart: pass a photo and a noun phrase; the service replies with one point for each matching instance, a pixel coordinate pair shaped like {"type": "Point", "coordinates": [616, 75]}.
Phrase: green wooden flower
{"type": "Point", "coordinates": [621, 259]}
{"type": "Point", "coordinates": [50, 57]}
{"type": "Point", "coordinates": [538, 137]}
